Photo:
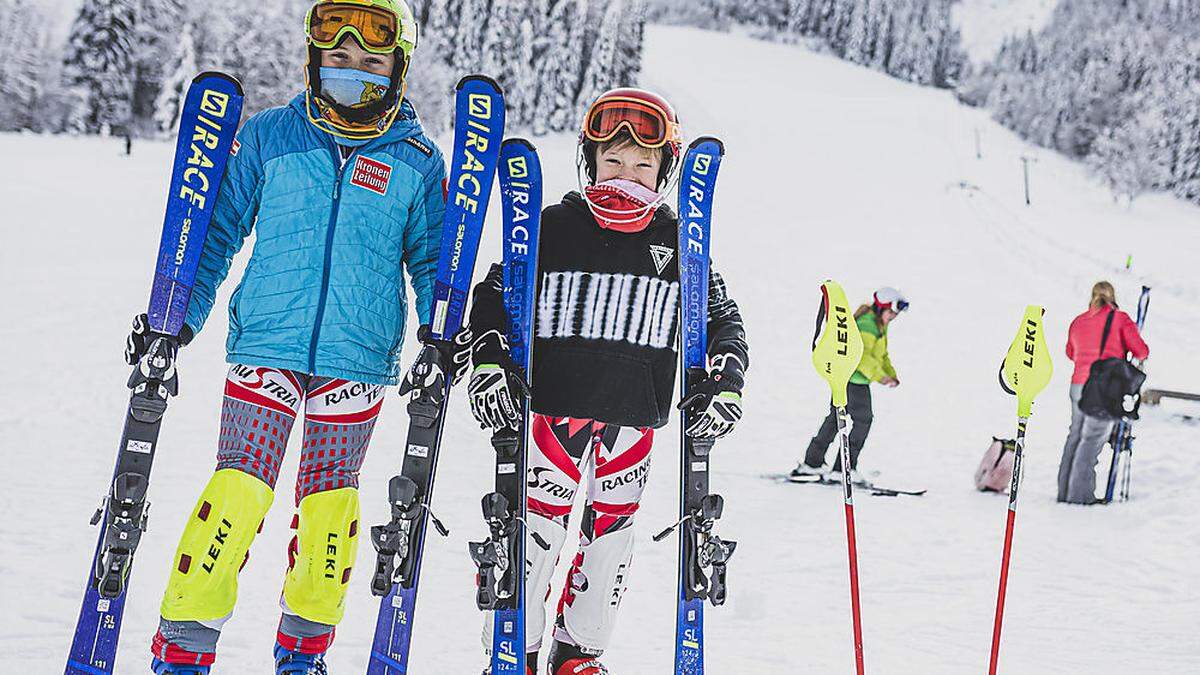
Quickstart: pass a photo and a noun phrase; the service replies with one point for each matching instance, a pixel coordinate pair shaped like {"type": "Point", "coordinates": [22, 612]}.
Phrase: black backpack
{"type": "Point", "coordinates": [1110, 382]}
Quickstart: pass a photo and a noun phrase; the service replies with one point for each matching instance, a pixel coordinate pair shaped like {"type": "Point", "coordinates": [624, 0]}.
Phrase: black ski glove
{"type": "Point", "coordinates": [496, 384]}
{"type": "Point", "coordinates": [437, 358]}
{"type": "Point", "coordinates": [141, 337]}
{"type": "Point", "coordinates": [714, 403]}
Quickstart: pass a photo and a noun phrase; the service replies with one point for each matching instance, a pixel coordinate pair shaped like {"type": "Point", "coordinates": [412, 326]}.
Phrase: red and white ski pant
{"type": "Point", "coordinates": [259, 410]}
{"type": "Point", "coordinates": [611, 463]}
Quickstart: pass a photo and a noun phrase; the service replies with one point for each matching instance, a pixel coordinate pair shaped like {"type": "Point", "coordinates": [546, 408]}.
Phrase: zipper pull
{"type": "Point", "coordinates": [337, 186]}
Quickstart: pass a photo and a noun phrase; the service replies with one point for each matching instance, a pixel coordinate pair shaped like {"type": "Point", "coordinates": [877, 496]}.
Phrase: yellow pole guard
{"type": "Point", "coordinates": [327, 541]}
{"type": "Point", "coordinates": [215, 541]}
{"type": "Point", "coordinates": [840, 348]}
{"type": "Point", "coordinates": [1027, 367]}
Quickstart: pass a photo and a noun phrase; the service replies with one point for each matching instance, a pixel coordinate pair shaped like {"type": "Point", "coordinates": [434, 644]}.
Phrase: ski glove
{"type": "Point", "coordinates": [437, 358]}
{"type": "Point", "coordinates": [714, 404]}
{"type": "Point", "coordinates": [495, 387]}
{"type": "Point", "coordinates": [141, 337]}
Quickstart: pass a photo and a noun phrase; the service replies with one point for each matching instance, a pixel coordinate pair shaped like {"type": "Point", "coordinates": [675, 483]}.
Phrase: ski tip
{"type": "Point", "coordinates": [222, 76]}
{"type": "Point", "coordinates": [523, 142]}
{"type": "Point", "coordinates": [478, 77]}
{"type": "Point", "coordinates": [708, 139]}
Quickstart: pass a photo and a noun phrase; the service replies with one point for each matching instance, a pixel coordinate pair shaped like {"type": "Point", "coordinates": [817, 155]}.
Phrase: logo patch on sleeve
{"type": "Point", "coordinates": [371, 174]}
{"type": "Point", "coordinates": [424, 149]}
{"type": "Point", "coordinates": [236, 146]}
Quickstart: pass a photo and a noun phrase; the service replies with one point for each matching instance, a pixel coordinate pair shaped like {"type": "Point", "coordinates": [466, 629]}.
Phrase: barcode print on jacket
{"type": "Point", "coordinates": [596, 306]}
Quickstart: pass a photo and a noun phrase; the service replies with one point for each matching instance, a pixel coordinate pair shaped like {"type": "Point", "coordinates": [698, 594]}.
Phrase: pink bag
{"type": "Point", "coordinates": [996, 469]}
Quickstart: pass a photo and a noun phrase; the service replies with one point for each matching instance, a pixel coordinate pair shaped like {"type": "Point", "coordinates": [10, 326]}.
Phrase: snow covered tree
{"type": "Point", "coordinates": [21, 81]}
{"type": "Point", "coordinates": [168, 103]}
{"type": "Point", "coordinates": [98, 62]}
{"type": "Point", "coordinates": [600, 72]}
{"type": "Point", "coordinates": [1112, 83]}
{"type": "Point", "coordinates": [155, 53]}
{"type": "Point", "coordinates": [632, 41]}
{"type": "Point", "coordinates": [508, 55]}
{"type": "Point", "coordinates": [558, 68]}
{"type": "Point", "coordinates": [468, 40]}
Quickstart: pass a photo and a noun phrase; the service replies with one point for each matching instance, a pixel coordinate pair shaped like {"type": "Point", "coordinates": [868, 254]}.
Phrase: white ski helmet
{"type": "Point", "coordinates": [889, 298]}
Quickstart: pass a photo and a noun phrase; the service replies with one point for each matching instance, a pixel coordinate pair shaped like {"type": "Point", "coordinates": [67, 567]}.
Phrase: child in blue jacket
{"type": "Point", "coordinates": [345, 194]}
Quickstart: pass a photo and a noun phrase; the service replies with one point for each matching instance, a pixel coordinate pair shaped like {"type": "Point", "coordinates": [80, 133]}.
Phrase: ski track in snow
{"type": "Point", "coordinates": [831, 171]}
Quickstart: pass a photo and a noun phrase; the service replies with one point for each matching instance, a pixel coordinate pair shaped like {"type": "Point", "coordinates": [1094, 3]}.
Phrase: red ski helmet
{"type": "Point", "coordinates": [649, 119]}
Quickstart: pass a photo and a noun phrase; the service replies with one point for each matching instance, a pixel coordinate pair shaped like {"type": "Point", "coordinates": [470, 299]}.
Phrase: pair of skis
{"type": "Point", "coordinates": [1121, 441]}
{"type": "Point", "coordinates": [478, 133]}
{"type": "Point", "coordinates": [500, 582]}
{"type": "Point", "coordinates": [703, 555]}
{"type": "Point", "coordinates": [477, 154]}
{"type": "Point", "coordinates": [210, 116]}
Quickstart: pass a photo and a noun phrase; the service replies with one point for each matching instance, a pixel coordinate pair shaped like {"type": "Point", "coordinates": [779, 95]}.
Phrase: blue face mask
{"type": "Point", "coordinates": [351, 87]}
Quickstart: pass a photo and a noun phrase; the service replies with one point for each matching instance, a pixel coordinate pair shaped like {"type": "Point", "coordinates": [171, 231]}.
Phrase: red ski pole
{"type": "Point", "coordinates": [1025, 372]}
{"type": "Point", "coordinates": [851, 540]}
{"type": "Point", "coordinates": [1008, 536]}
{"type": "Point", "coordinates": [836, 354]}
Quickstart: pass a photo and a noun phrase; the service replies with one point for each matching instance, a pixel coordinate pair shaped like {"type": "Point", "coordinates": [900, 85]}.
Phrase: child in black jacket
{"type": "Point", "coordinates": [604, 367]}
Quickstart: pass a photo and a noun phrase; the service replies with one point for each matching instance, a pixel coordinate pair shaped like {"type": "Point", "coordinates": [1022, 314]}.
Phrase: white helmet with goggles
{"type": "Point", "coordinates": [889, 298]}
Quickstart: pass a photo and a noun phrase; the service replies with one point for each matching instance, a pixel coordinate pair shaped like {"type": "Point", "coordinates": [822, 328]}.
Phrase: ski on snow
{"type": "Point", "coordinates": [211, 112]}
{"type": "Point", "coordinates": [478, 131]}
{"type": "Point", "coordinates": [871, 488]}
{"type": "Point", "coordinates": [702, 554]}
{"type": "Point", "coordinates": [501, 557]}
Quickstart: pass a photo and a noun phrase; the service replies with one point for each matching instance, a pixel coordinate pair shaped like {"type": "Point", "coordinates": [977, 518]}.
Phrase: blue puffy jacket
{"type": "Point", "coordinates": [324, 291]}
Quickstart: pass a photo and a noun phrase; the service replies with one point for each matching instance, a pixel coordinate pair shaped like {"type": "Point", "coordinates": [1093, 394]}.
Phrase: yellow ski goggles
{"type": "Point", "coordinates": [375, 28]}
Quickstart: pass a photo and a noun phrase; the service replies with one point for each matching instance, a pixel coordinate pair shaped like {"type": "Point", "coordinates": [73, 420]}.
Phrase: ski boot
{"type": "Point", "coordinates": [288, 662]}
{"type": "Point", "coordinates": [568, 659]}
{"type": "Point", "coordinates": [163, 668]}
{"type": "Point", "coordinates": [804, 473]}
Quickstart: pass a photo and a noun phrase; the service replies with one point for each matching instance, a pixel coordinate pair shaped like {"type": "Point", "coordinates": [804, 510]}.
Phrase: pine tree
{"type": "Point", "coordinates": [600, 73]}
{"type": "Point", "coordinates": [98, 62]}
{"type": "Point", "coordinates": [167, 105]}
{"type": "Point", "coordinates": [156, 43]}
{"type": "Point", "coordinates": [559, 67]}
{"type": "Point", "coordinates": [631, 42]}
{"type": "Point", "coordinates": [20, 83]}
{"type": "Point", "coordinates": [468, 40]}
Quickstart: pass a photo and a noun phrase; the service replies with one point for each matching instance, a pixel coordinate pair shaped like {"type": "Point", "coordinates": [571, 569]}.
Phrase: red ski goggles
{"type": "Point", "coordinates": [649, 124]}
{"type": "Point", "coordinates": [376, 29]}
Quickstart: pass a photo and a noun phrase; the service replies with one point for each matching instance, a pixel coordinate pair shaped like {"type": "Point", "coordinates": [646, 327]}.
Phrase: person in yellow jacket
{"type": "Point", "coordinates": [876, 366]}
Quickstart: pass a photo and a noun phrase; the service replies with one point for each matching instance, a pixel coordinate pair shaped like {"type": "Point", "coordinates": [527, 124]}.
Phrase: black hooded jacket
{"type": "Point", "coordinates": [606, 321]}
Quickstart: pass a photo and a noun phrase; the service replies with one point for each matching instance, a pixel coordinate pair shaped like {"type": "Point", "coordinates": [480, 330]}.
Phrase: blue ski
{"type": "Point", "coordinates": [478, 130]}
{"type": "Point", "coordinates": [702, 554]}
{"type": "Point", "coordinates": [211, 112]}
{"type": "Point", "coordinates": [501, 557]}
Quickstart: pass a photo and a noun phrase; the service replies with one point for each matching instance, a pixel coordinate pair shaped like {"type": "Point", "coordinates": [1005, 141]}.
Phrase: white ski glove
{"type": "Point", "coordinates": [428, 372]}
{"type": "Point", "coordinates": [495, 388]}
{"type": "Point", "coordinates": [714, 404]}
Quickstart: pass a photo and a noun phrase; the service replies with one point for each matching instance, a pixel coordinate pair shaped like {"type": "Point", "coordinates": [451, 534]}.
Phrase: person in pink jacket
{"type": "Point", "coordinates": [1077, 470]}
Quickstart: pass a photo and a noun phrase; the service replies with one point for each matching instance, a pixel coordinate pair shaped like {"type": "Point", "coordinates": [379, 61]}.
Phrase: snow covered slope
{"type": "Point", "coordinates": [832, 171]}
